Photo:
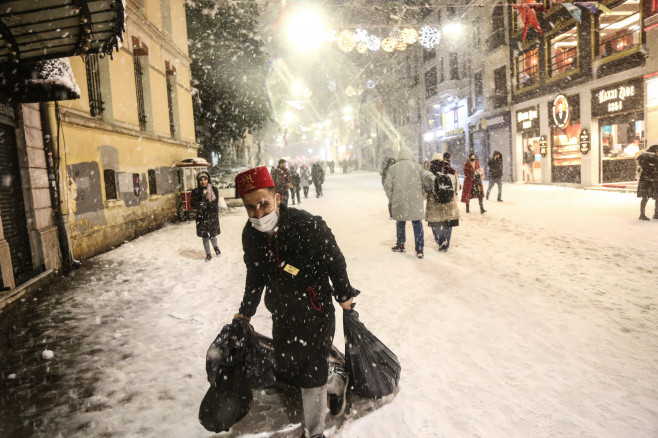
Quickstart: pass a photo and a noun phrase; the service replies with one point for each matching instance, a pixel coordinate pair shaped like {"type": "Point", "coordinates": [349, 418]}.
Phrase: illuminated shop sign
{"type": "Point", "coordinates": [564, 110]}
{"type": "Point", "coordinates": [618, 98]}
{"type": "Point", "coordinates": [527, 119]}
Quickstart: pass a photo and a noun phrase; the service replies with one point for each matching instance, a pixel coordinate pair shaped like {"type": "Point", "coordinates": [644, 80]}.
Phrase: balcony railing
{"type": "Point", "coordinates": [564, 61]}
{"type": "Point", "coordinates": [619, 43]}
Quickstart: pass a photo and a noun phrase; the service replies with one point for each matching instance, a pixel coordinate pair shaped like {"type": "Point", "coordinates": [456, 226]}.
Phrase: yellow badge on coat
{"type": "Point", "coordinates": [291, 270]}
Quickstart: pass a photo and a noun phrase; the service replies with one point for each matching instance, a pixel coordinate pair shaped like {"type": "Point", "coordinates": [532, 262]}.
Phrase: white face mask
{"type": "Point", "coordinates": [265, 224]}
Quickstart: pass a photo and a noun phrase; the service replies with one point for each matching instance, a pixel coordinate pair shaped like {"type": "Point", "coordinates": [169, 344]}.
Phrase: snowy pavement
{"type": "Point", "coordinates": [540, 321]}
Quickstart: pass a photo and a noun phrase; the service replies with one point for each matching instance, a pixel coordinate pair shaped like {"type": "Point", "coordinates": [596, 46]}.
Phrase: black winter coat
{"type": "Point", "coordinates": [317, 174]}
{"type": "Point", "coordinates": [496, 168]}
{"type": "Point", "coordinates": [207, 213]}
{"type": "Point", "coordinates": [648, 185]}
{"type": "Point", "coordinates": [294, 266]}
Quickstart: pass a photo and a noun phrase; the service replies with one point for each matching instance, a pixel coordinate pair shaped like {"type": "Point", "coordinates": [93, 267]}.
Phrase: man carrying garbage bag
{"type": "Point", "coordinates": [293, 255]}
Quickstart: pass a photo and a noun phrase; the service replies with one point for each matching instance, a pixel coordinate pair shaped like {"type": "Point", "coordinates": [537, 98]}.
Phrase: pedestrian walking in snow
{"type": "Point", "coordinates": [317, 174]}
{"type": "Point", "coordinates": [281, 178]}
{"type": "Point", "coordinates": [528, 164]}
{"type": "Point", "coordinates": [441, 210]}
{"type": "Point", "coordinates": [305, 179]}
{"type": "Point", "coordinates": [648, 184]}
{"type": "Point", "coordinates": [294, 256]}
{"type": "Point", "coordinates": [296, 184]}
{"type": "Point", "coordinates": [385, 166]}
{"type": "Point", "coordinates": [473, 183]}
{"type": "Point", "coordinates": [496, 174]}
{"type": "Point", "coordinates": [205, 200]}
{"type": "Point", "coordinates": [404, 189]}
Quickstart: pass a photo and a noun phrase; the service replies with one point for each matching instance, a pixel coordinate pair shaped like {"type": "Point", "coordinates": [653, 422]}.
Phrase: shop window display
{"type": "Point", "coordinates": [620, 29]}
{"type": "Point", "coordinates": [621, 142]}
{"type": "Point", "coordinates": [566, 155]}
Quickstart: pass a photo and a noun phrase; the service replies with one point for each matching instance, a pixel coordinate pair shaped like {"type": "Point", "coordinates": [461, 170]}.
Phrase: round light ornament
{"type": "Point", "coordinates": [361, 35]}
{"type": "Point", "coordinates": [409, 35]}
{"type": "Point", "coordinates": [361, 47]}
{"type": "Point", "coordinates": [388, 44]}
{"type": "Point", "coordinates": [374, 43]}
{"type": "Point", "coordinates": [428, 37]}
{"type": "Point", "coordinates": [350, 91]}
{"type": "Point", "coordinates": [346, 41]}
{"type": "Point", "coordinates": [400, 45]}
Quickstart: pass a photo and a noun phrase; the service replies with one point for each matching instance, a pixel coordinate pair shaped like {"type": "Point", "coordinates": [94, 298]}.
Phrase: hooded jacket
{"type": "Point", "coordinates": [496, 166]}
{"type": "Point", "coordinates": [648, 184]}
{"type": "Point", "coordinates": [404, 188]}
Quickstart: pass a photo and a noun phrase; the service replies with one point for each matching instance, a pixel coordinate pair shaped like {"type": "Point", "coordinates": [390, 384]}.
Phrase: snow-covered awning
{"type": "Point", "coordinates": [47, 81]}
{"type": "Point", "coordinates": [35, 30]}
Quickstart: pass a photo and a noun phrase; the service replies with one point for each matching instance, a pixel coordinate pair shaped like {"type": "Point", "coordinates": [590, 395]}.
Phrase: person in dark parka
{"type": "Point", "coordinates": [496, 174]}
{"type": "Point", "coordinates": [205, 200]}
{"type": "Point", "coordinates": [293, 256]}
{"type": "Point", "coordinates": [647, 186]}
{"type": "Point", "coordinates": [317, 174]}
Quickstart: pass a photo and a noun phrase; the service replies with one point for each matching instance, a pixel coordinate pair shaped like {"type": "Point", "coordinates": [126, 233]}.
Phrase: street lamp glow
{"type": "Point", "coordinates": [306, 29]}
{"type": "Point", "coordinates": [297, 86]}
{"type": "Point", "coordinates": [347, 109]}
{"type": "Point", "coordinates": [288, 116]}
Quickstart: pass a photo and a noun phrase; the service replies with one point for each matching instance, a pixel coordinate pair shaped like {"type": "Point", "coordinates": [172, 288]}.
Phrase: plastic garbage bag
{"type": "Point", "coordinates": [227, 401]}
{"type": "Point", "coordinates": [373, 369]}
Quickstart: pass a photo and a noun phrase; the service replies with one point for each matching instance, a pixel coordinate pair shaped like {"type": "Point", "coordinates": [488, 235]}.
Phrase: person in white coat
{"type": "Point", "coordinates": [404, 189]}
{"type": "Point", "coordinates": [441, 216]}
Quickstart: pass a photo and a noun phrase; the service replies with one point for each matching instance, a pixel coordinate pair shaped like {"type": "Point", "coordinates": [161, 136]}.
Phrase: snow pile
{"type": "Point", "coordinates": [56, 72]}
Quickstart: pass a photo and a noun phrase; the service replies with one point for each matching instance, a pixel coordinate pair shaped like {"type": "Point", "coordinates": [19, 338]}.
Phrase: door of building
{"type": "Point", "coordinates": [12, 207]}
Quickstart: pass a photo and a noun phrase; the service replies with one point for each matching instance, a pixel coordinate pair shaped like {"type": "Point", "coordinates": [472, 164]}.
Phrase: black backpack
{"type": "Point", "coordinates": [443, 191]}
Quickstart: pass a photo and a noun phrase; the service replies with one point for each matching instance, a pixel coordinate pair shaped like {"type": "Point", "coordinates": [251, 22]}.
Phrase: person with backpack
{"type": "Point", "coordinates": [441, 186]}
{"type": "Point", "coordinates": [473, 183]}
{"type": "Point", "coordinates": [496, 174]}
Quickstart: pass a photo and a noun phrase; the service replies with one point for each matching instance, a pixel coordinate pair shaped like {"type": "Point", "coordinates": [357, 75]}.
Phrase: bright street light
{"type": "Point", "coordinates": [306, 29]}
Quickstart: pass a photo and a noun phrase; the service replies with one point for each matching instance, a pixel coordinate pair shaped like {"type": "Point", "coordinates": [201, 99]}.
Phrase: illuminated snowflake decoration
{"type": "Point", "coordinates": [428, 37]}
{"type": "Point", "coordinates": [370, 84]}
{"type": "Point", "coordinates": [388, 45]}
{"type": "Point", "coordinates": [361, 36]}
{"type": "Point", "coordinates": [374, 43]}
{"type": "Point", "coordinates": [350, 91]}
{"type": "Point", "coordinates": [346, 41]}
{"type": "Point", "coordinates": [361, 47]}
{"type": "Point", "coordinates": [331, 86]}
{"type": "Point", "coordinates": [409, 35]}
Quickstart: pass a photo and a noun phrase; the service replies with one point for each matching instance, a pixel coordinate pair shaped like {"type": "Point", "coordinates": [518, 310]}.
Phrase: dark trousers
{"type": "Point", "coordinates": [500, 187]}
{"type": "Point", "coordinates": [305, 192]}
{"type": "Point", "coordinates": [442, 235]}
{"type": "Point", "coordinates": [419, 234]}
{"type": "Point", "coordinates": [294, 191]}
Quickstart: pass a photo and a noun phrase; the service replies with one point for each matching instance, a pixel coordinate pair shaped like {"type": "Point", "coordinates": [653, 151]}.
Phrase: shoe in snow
{"type": "Point", "coordinates": [398, 248]}
{"type": "Point", "coordinates": [208, 257]}
{"type": "Point", "coordinates": [644, 218]}
{"type": "Point", "coordinates": [337, 402]}
{"type": "Point", "coordinates": [217, 251]}
{"type": "Point", "coordinates": [420, 254]}
{"type": "Point", "coordinates": [500, 200]}
{"type": "Point", "coordinates": [443, 247]}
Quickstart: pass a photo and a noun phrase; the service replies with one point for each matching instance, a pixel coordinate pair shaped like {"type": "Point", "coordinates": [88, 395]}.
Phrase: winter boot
{"type": "Point", "coordinates": [643, 204]}
{"type": "Point", "coordinates": [217, 251]}
{"type": "Point", "coordinates": [398, 248]}
{"type": "Point", "coordinates": [340, 382]}
{"type": "Point", "coordinates": [208, 257]}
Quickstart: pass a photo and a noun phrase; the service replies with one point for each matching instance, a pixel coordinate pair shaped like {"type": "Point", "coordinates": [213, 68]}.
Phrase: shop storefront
{"type": "Point", "coordinates": [527, 123]}
{"type": "Point", "coordinates": [619, 108]}
{"type": "Point", "coordinates": [455, 143]}
{"type": "Point", "coordinates": [497, 136]}
{"type": "Point", "coordinates": [564, 122]}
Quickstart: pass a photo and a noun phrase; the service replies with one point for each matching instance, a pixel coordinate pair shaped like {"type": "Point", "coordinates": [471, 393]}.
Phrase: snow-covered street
{"type": "Point", "coordinates": [540, 321]}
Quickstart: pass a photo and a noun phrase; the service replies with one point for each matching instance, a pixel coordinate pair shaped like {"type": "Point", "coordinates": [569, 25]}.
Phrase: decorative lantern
{"type": "Point", "coordinates": [428, 37]}
{"type": "Point", "coordinates": [409, 35]}
{"type": "Point", "coordinates": [331, 36]}
{"type": "Point", "coordinates": [388, 44]}
{"type": "Point", "coordinates": [346, 41]}
{"type": "Point", "coordinates": [374, 43]}
{"type": "Point", "coordinates": [361, 36]}
{"type": "Point", "coordinates": [361, 47]}
{"type": "Point", "coordinates": [400, 45]}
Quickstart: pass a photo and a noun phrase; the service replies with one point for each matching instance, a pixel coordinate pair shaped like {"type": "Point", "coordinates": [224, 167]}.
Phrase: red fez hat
{"type": "Point", "coordinates": [253, 179]}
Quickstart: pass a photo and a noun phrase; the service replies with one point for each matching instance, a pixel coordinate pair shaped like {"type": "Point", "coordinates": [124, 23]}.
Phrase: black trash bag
{"type": "Point", "coordinates": [373, 369]}
{"type": "Point", "coordinates": [228, 399]}
{"type": "Point", "coordinates": [228, 361]}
